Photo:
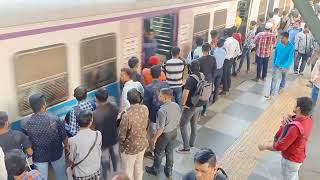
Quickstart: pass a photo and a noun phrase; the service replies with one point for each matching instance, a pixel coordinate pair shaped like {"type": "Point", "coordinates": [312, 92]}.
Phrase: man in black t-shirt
{"type": "Point", "coordinates": [105, 120]}
{"type": "Point", "coordinates": [190, 113]}
{"type": "Point", "coordinates": [208, 67]}
{"type": "Point", "coordinates": [12, 139]}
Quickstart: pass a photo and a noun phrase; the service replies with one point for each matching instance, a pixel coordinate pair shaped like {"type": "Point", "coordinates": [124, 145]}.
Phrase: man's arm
{"type": "Point", "coordinates": [290, 58]}
{"type": "Point", "coordinates": [73, 123]}
{"type": "Point", "coordinates": [185, 95]}
{"type": "Point", "coordinates": [123, 128]}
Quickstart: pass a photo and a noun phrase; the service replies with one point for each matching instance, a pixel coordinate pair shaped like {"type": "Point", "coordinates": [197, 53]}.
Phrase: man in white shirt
{"type": "Point", "coordinates": [197, 52]}
{"type": "Point", "coordinates": [276, 19]}
{"type": "Point", "coordinates": [232, 48]}
{"type": "Point", "coordinates": [126, 78]}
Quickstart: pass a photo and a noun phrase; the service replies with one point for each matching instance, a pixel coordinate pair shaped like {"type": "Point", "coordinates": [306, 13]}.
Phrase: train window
{"type": "Point", "coordinates": [42, 70]}
{"type": "Point", "coordinates": [262, 9]}
{"type": "Point", "coordinates": [201, 26]}
{"type": "Point", "coordinates": [220, 20]}
{"type": "Point", "coordinates": [98, 61]}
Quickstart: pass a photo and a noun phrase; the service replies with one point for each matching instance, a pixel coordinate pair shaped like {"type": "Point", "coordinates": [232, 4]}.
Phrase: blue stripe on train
{"type": "Point", "coordinates": [62, 108]}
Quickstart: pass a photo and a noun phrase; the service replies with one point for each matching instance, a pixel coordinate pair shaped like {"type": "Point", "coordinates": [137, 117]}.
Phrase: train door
{"type": "Point", "coordinates": [201, 27]}
{"type": "Point", "coordinates": [163, 30]}
{"type": "Point", "coordinates": [262, 13]}
{"type": "Point", "coordinates": [244, 11]}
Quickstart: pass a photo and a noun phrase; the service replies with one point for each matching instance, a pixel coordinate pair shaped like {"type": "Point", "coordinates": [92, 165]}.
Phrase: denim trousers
{"type": "Point", "coordinates": [110, 155]}
{"type": "Point", "coordinates": [290, 170]}
{"type": "Point", "coordinates": [189, 115]}
{"type": "Point", "coordinates": [59, 168]}
{"type": "Point", "coordinates": [262, 67]}
{"type": "Point", "coordinates": [304, 58]}
{"type": "Point", "coordinates": [177, 94]}
{"type": "Point", "coordinates": [276, 73]}
{"type": "Point", "coordinates": [164, 146]}
{"type": "Point", "coordinates": [314, 95]}
{"type": "Point", "coordinates": [226, 78]}
{"type": "Point", "coordinates": [245, 53]}
{"type": "Point", "coordinates": [216, 82]}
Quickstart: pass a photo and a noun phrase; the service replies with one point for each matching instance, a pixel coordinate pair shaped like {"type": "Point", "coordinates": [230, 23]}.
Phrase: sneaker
{"type": "Point", "coordinates": [255, 79]}
{"type": "Point", "coordinates": [183, 150]}
{"type": "Point", "coordinates": [234, 74]}
{"type": "Point", "coordinates": [204, 114]}
{"type": "Point", "coordinates": [296, 72]}
{"type": "Point", "coordinates": [151, 170]}
{"type": "Point", "coordinates": [268, 97]}
{"type": "Point", "coordinates": [300, 74]}
{"type": "Point", "coordinates": [223, 93]}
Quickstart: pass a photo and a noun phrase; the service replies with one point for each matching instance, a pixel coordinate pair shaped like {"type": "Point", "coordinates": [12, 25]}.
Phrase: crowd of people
{"type": "Point", "coordinates": [102, 137]}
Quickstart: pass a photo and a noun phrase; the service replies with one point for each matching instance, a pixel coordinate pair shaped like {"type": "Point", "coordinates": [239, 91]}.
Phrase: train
{"type": "Point", "coordinates": [53, 47]}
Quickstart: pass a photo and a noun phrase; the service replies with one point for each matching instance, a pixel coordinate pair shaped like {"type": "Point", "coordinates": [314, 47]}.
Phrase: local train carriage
{"type": "Point", "coordinates": [54, 47]}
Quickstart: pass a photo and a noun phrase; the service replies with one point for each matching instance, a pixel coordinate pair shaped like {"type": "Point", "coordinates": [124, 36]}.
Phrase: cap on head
{"type": "Point", "coordinates": [154, 60]}
{"type": "Point", "coordinates": [268, 26]}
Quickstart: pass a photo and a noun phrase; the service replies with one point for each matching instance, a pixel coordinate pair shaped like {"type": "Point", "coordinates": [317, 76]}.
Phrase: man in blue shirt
{"type": "Point", "coordinates": [283, 56]}
{"type": "Point", "coordinates": [220, 55]}
{"type": "Point", "coordinates": [294, 30]}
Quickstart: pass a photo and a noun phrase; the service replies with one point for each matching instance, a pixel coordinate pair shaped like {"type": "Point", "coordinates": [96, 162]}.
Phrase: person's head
{"type": "Point", "coordinates": [15, 161]}
{"type": "Point", "coordinates": [303, 106]}
{"type": "Point", "coordinates": [37, 103]}
{"type": "Point", "coordinates": [297, 24]}
{"type": "Point", "coordinates": [252, 24]}
{"type": "Point", "coordinates": [206, 48]}
{"type": "Point", "coordinates": [213, 34]}
{"type": "Point", "coordinates": [268, 26]}
{"type": "Point", "coordinates": [126, 75]}
{"type": "Point", "coordinates": [133, 63]}
{"type": "Point", "coordinates": [85, 119]}
{"type": "Point", "coordinates": [195, 67]}
{"type": "Point", "coordinates": [234, 29]}
{"type": "Point", "coordinates": [199, 41]}
{"type": "Point", "coordinates": [276, 11]}
{"type": "Point", "coordinates": [120, 176]}
{"type": "Point", "coordinates": [205, 164]}
{"type": "Point", "coordinates": [150, 34]}
{"type": "Point", "coordinates": [285, 13]}
{"type": "Point", "coordinates": [284, 37]}
{"type": "Point", "coordinates": [261, 20]}
{"type": "Point", "coordinates": [155, 71]}
{"type": "Point", "coordinates": [220, 43]}
{"type": "Point", "coordinates": [165, 94]}
{"type": "Point", "coordinates": [306, 29]}
{"type": "Point", "coordinates": [154, 60]}
{"type": "Point", "coordinates": [4, 121]}
{"type": "Point", "coordinates": [101, 95]}
{"type": "Point", "coordinates": [134, 96]}
{"type": "Point", "coordinates": [175, 52]}
{"type": "Point", "coordinates": [80, 93]}
{"type": "Point", "coordinates": [229, 32]}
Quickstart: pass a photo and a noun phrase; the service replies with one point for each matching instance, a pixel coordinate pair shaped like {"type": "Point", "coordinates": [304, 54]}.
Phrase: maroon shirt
{"type": "Point", "coordinates": [293, 144]}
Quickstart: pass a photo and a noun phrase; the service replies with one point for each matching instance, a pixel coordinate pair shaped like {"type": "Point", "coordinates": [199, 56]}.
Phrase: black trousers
{"type": "Point", "coordinates": [226, 77]}
{"type": "Point", "coordinates": [165, 146]}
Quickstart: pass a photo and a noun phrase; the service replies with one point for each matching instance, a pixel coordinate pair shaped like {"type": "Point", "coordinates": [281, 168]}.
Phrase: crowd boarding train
{"type": "Point", "coordinates": [52, 47]}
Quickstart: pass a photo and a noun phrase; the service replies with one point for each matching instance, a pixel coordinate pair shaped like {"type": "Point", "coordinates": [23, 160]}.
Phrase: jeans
{"type": "Point", "coordinates": [164, 145]}
{"type": "Point", "coordinates": [245, 52]}
{"type": "Point", "coordinates": [314, 95]}
{"type": "Point", "coordinates": [216, 82]}
{"type": "Point", "coordinates": [177, 93]}
{"type": "Point", "coordinates": [234, 65]}
{"type": "Point", "coordinates": [110, 155]}
{"type": "Point", "coordinates": [133, 165]}
{"type": "Point", "coordinates": [276, 72]}
{"type": "Point", "coordinates": [59, 168]}
{"type": "Point", "coordinates": [189, 115]}
{"type": "Point", "coordinates": [262, 67]}
{"type": "Point", "coordinates": [227, 75]}
{"type": "Point", "coordinates": [304, 58]}
{"type": "Point", "coordinates": [290, 170]}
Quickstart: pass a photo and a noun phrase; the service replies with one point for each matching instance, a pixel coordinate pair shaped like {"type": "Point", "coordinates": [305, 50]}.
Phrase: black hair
{"type": "Point", "coordinates": [276, 10]}
{"type": "Point", "coordinates": [306, 26]}
{"type": "Point", "coordinates": [155, 71]}
{"type": "Point", "coordinates": [175, 51]}
{"type": "Point", "coordinates": [37, 101]}
{"type": "Point", "coordinates": [102, 95]}
{"type": "Point", "coordinates": [128, 72]}
{"type": "Point", "coordinates": [206, 47]}
{"type": "Point", "coordinates": [285, 34]}
{"type": "Point", "coordinates": [214, 33]}
{"type": "Point", "coordinates": [206, 155]}
{"type": "Point", "coordinates": [195, 67]}
{"type": "Point", "coordinates": [220, 43]}
{"type": "Point", "coordinates": [229, 32]}
{"type": "Point", "coordinates": [234, 29]}
{"type": "Point", "coordinates": [84, 118]}
{"type": "Point", "coordinates": [134, 96]}
{"type": "Point", "coordinates": [305, 105]}
{"type": "Point", "coordinates": [167, 91]}
{"type": "Point", "coordinates": [3, 118]}
{"type": "Point", "coordinates": [199, 41]}
{"type": "Point", "coordinates": [262, 19]}
{"type": "Point", "coordinates": [133, 61]}
{"type": "Point", "coordinates": [15, 161]}
{"type": "Point", "coordinates": [80, 93]}
{"type": "Point", "coordinates": [253, 23]}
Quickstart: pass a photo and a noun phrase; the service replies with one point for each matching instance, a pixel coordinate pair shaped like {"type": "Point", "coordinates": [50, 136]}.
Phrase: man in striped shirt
{"type": "Point", "coordinates": [174, 69]}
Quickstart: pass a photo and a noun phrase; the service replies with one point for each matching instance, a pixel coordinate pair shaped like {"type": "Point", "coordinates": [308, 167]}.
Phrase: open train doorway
{"type": "Point", "coordinates": [243, 12]}
{"type": "Point", "coordinates": [160, 35]}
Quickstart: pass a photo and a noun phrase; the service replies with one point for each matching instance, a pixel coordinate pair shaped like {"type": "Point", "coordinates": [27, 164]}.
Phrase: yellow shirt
{"type": "Point", "coordinates": [238, 21]}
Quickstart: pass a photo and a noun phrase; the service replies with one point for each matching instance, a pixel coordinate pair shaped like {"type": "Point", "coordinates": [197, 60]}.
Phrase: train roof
{"type": "Point", "coordinates": [19, 12]}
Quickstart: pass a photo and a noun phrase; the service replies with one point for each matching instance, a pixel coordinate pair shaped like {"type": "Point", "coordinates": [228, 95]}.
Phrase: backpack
{"type": "Point", "coordinates": [222, 176]}
{"type": "Point", "coordinates": [286, 128]}
{"type": "Point", "coordinates": [76, 110]}
{"type": "Point", "coordinates": [203, 91]}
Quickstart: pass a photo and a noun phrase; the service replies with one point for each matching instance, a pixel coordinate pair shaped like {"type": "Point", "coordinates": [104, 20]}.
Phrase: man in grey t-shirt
{"type": "Point", "coordinates": [167, 122]}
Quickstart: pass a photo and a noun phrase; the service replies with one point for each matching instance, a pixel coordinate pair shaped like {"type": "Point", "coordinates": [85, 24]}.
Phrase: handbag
{"type": "Point", "coordinates": [69, 170]}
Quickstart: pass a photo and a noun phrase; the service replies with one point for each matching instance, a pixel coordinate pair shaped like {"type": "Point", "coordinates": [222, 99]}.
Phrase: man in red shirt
{"type": "Point", "coordinates": [291, 139]}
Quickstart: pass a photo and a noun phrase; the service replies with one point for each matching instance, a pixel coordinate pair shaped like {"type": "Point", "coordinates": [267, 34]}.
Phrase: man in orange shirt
{"type": "Point", "coordinates": [153, 60]}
